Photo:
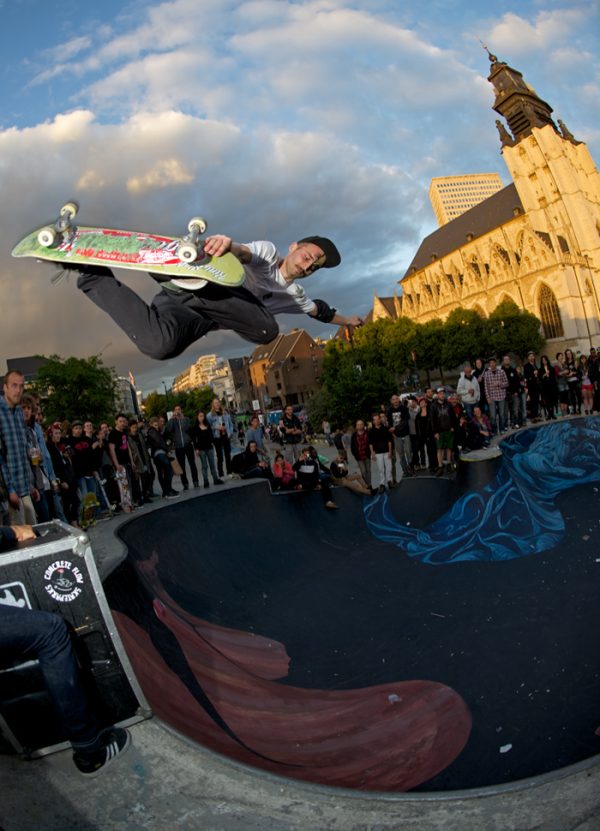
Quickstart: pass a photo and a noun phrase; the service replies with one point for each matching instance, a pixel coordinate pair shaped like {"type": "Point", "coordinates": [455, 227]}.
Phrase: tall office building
{"type": "Point", "coordinates": [451, 196]}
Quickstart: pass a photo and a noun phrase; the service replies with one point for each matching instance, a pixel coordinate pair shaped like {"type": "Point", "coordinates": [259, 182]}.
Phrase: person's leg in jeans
{"type": "Point", "coordinates": [43, 635]}
{"type": "Point", "coordinates": [180, 456]}
{"type": "Point", "coordinates": [175, 319]}
{"type": "Point", "coordinates": [190, 455]}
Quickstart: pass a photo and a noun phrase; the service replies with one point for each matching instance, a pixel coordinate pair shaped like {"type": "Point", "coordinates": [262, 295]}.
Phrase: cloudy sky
{"type": "Point", "coordinates": [273, 119]}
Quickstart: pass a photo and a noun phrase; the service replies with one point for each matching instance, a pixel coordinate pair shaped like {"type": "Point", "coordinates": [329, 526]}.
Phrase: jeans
{"type": "Point", "coordinates": [188, 453]}
{"type": "Point", "coordinates": [515, 410]}
{"type": "Point", "coordinates": [223, 450]}
{"type": "Point", "coordinates": [26, 633]}
{"type": "Point", "coordinates": [384, 470]}
{"type": "Point", "coordinates": [499, 410]}
{"type": "Point", "coordinates": [207, 460]}
{"type": "Point", "coordinates": [403, 448]}
{"type": "Point", "coordinates": [177, 318]}
{"type": "Point", "coordinates": [164, 471]}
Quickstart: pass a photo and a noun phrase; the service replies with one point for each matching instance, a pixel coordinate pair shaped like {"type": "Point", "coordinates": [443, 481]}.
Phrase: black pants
{"type": "Point", "coordinates": [174, 319]}
{"type": "Point", "coordinates": [183, 453]}
{"type": "Point", "coordinates": [223, 450]}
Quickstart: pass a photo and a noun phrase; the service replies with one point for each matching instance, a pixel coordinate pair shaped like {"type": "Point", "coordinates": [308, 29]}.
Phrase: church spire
{"type": "Point", "coordinates": [516, 101]}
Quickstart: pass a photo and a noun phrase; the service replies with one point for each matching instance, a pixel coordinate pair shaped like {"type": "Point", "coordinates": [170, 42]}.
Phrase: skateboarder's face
{"type": "Point", "coordinates": [303, 260]}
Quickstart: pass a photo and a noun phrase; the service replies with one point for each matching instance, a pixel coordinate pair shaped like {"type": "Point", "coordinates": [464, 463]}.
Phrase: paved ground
{"type": "Point", "coordinates": [163, 781]}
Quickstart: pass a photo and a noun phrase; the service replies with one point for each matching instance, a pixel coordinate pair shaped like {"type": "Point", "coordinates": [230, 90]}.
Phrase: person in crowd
{"type": "Point", "coordinates": [14, 462]}
{"type": "Point", "coordinates": [308, 477]}
{"type": "Point", "coordinates": [178, 432]}
{"type": "Point", "coordinates": [587, 385]}
{"type": "Point", "coordinates": [222, 430]}
{"type": "Point", "coordinates": [254, 464]}
{"type": "Point", "coordinates": [340, 475]}
{"type": "Point", "coordinates": [574, 382]}
{"type": "Point", "coordinates": [561, 372]}
{"type": "Point", "coordinates": [496, 386]}
{"type": "Point", "coordinates": [442, 425]}
{"type": "Point", "coordinates": [120, 452]}
{"type": "Point", "coordinates": [140, 460]}
{"type": "Point", "coordinates": [398, 424]}
{"type": "Point", "coordinates": [284, 477]}
{"type": "Point", "coordinates": [413, 412]}
{"type": "Point", "coordinates": [482, 432]}
{"type": "Point", "coordinates": [204, 444]}
{"type": "Point", "coordinates": [468, 389]}
{"type": "Point", "coordinates": [255, 432]}
{"type": "Point", "coordinates": [159, 450]}
{"type": "Point", "coordinates": [360, 449]}
{"type": "Point", "coordinates": [531, 373]}
{"type": "Point", "coordinates": [478, 372]}
{"type": "Point", "coordinates": [548, 387]}
{"type": "Point", "coordinates": [594, 374]}
{"type": "Point", "coordinates": [382, 448]}
{"type": "Point", "coordinates": [61, 454]}
{"type": "Point", "coordinates": [291, 431]}
{"type": "Point", "coordinates": [513, 393]}
{"type": "Point", "coordinates": [426, 449]}
{"type": "Point", "coordinates": [36, 461]}
{"type": "Point", "coordinates": [326, 427]}
{"type": "Point", "coordinates": [52, 492]}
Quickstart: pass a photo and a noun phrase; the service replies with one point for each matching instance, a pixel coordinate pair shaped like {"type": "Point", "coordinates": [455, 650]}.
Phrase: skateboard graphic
{"type": "Point", "coordinates": [124, 492]}
{"type": "Point", "coordinates": [180, 257]}
{"type": "Point", "coordinates": [90, 508]}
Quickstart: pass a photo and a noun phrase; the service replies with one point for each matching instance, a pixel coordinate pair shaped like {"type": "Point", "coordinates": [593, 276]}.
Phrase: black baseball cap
{"type": "Point", "coordinates": [332, 255]}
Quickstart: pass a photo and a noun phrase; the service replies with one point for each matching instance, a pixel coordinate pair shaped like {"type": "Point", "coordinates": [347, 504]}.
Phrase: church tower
{"type": "Point", "coordinates": [558, 184]}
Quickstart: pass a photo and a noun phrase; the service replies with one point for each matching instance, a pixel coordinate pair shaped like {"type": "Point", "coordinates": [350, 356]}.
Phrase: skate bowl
{"type": "Point", "coordinates": [435, 639]}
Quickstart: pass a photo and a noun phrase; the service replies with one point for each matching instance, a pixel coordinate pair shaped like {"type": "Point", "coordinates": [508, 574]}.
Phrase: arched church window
{"type": "Point", "coordinates": [550, 314]}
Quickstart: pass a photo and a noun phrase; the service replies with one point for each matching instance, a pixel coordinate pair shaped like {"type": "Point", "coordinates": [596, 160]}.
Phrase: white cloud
{"type": "Point", "coordinates": [517, 35]}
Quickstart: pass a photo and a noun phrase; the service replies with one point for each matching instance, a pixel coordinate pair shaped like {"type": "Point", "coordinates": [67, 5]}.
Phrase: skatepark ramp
{"type": "Point", "coordinates": [435, 638]}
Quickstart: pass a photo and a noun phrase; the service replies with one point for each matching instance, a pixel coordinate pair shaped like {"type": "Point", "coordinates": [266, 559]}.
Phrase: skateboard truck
{"type": "Point", "coordinates": [187, 250]}
{"type": "Point", "coordinates": [48, 235]}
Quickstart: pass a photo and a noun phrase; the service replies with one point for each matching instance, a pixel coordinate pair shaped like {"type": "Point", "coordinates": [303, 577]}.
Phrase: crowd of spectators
{"type": "Point", "coordinates": [46, 470]}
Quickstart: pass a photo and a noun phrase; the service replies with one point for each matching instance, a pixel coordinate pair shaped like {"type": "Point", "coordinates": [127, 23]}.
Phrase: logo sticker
{"type": "Point", "coordinates": [14, 594]}
{"type": "Point", "coordinates": [64, 581]}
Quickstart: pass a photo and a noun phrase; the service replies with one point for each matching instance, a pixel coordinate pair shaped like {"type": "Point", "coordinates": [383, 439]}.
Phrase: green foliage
{"type": "Point", "coordinates": [357, 378]}
{"type": "Point", "coordinates": [76, 388]}
{"type": "Point", "coordinates": [428, 343]}
{"type": "Point", "coordinates": [511, 329]}
{"type": "Point", "coordinates": [191, 401]}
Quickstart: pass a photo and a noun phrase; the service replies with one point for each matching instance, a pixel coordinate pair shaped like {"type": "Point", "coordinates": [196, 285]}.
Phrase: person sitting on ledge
{"type": "Point", "coordinates": [30, 633]}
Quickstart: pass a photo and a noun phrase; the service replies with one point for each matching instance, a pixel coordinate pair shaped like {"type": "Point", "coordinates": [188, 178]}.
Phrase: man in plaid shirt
{"type": "Point", "coordinates": [496, 384]}
{"type": "Point", "coordinates": [14, 461]}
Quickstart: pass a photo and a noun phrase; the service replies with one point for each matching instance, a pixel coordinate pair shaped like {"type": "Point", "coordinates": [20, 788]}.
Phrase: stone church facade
{"type": "Point", "coordinates": [536, 241]}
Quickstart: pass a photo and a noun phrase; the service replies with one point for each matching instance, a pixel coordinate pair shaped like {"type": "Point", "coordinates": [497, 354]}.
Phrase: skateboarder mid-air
{"type": "Point", "coordinates": [186, 309]}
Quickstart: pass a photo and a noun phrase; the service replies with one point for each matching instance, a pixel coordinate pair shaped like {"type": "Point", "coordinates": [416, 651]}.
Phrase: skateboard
{"type": "Point", "coordinates": [124, 492]}
{"type": "Point", "coordinates": [89, 510]}
{"type": "Point", "coordinates": [183, 257]}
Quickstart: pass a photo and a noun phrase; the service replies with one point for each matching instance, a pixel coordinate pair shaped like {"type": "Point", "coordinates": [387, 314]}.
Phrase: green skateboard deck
{"type": "Point", "coordinates": [182, 258]}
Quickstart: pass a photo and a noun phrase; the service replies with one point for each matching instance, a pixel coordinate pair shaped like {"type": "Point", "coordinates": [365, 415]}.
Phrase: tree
{"type": "Point", "coordinates": [355, 379]}
{"type": "Point", "coordinates": [190, 401]}
{"type": "Point", "coordinates": [427, 345]}
{"type": "Point", "coordinates": [77, 388]}
{"type": "Point", "coordinates": [511, 329]}
{"type": "Point", "coordinates": [465, 337]}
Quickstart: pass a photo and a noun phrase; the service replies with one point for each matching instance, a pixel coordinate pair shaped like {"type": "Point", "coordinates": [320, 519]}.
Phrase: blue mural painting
{"type": "Point", "coordinates": [515, 514]}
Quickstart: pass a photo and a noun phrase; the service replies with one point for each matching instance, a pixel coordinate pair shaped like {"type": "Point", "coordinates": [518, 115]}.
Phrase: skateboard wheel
{"type": "Point", "coordinates": [47, 237]}
{"type": "Point", "coordinates": [69, 208]}
{"type": "Point", "coordinates": [187, 252]}
{"type": "Point", "coordinates": [197, 224]}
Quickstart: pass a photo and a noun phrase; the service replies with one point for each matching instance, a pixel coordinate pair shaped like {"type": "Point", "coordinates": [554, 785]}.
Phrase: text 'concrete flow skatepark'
{"type": "Point", "coordinates": [428, 644]}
